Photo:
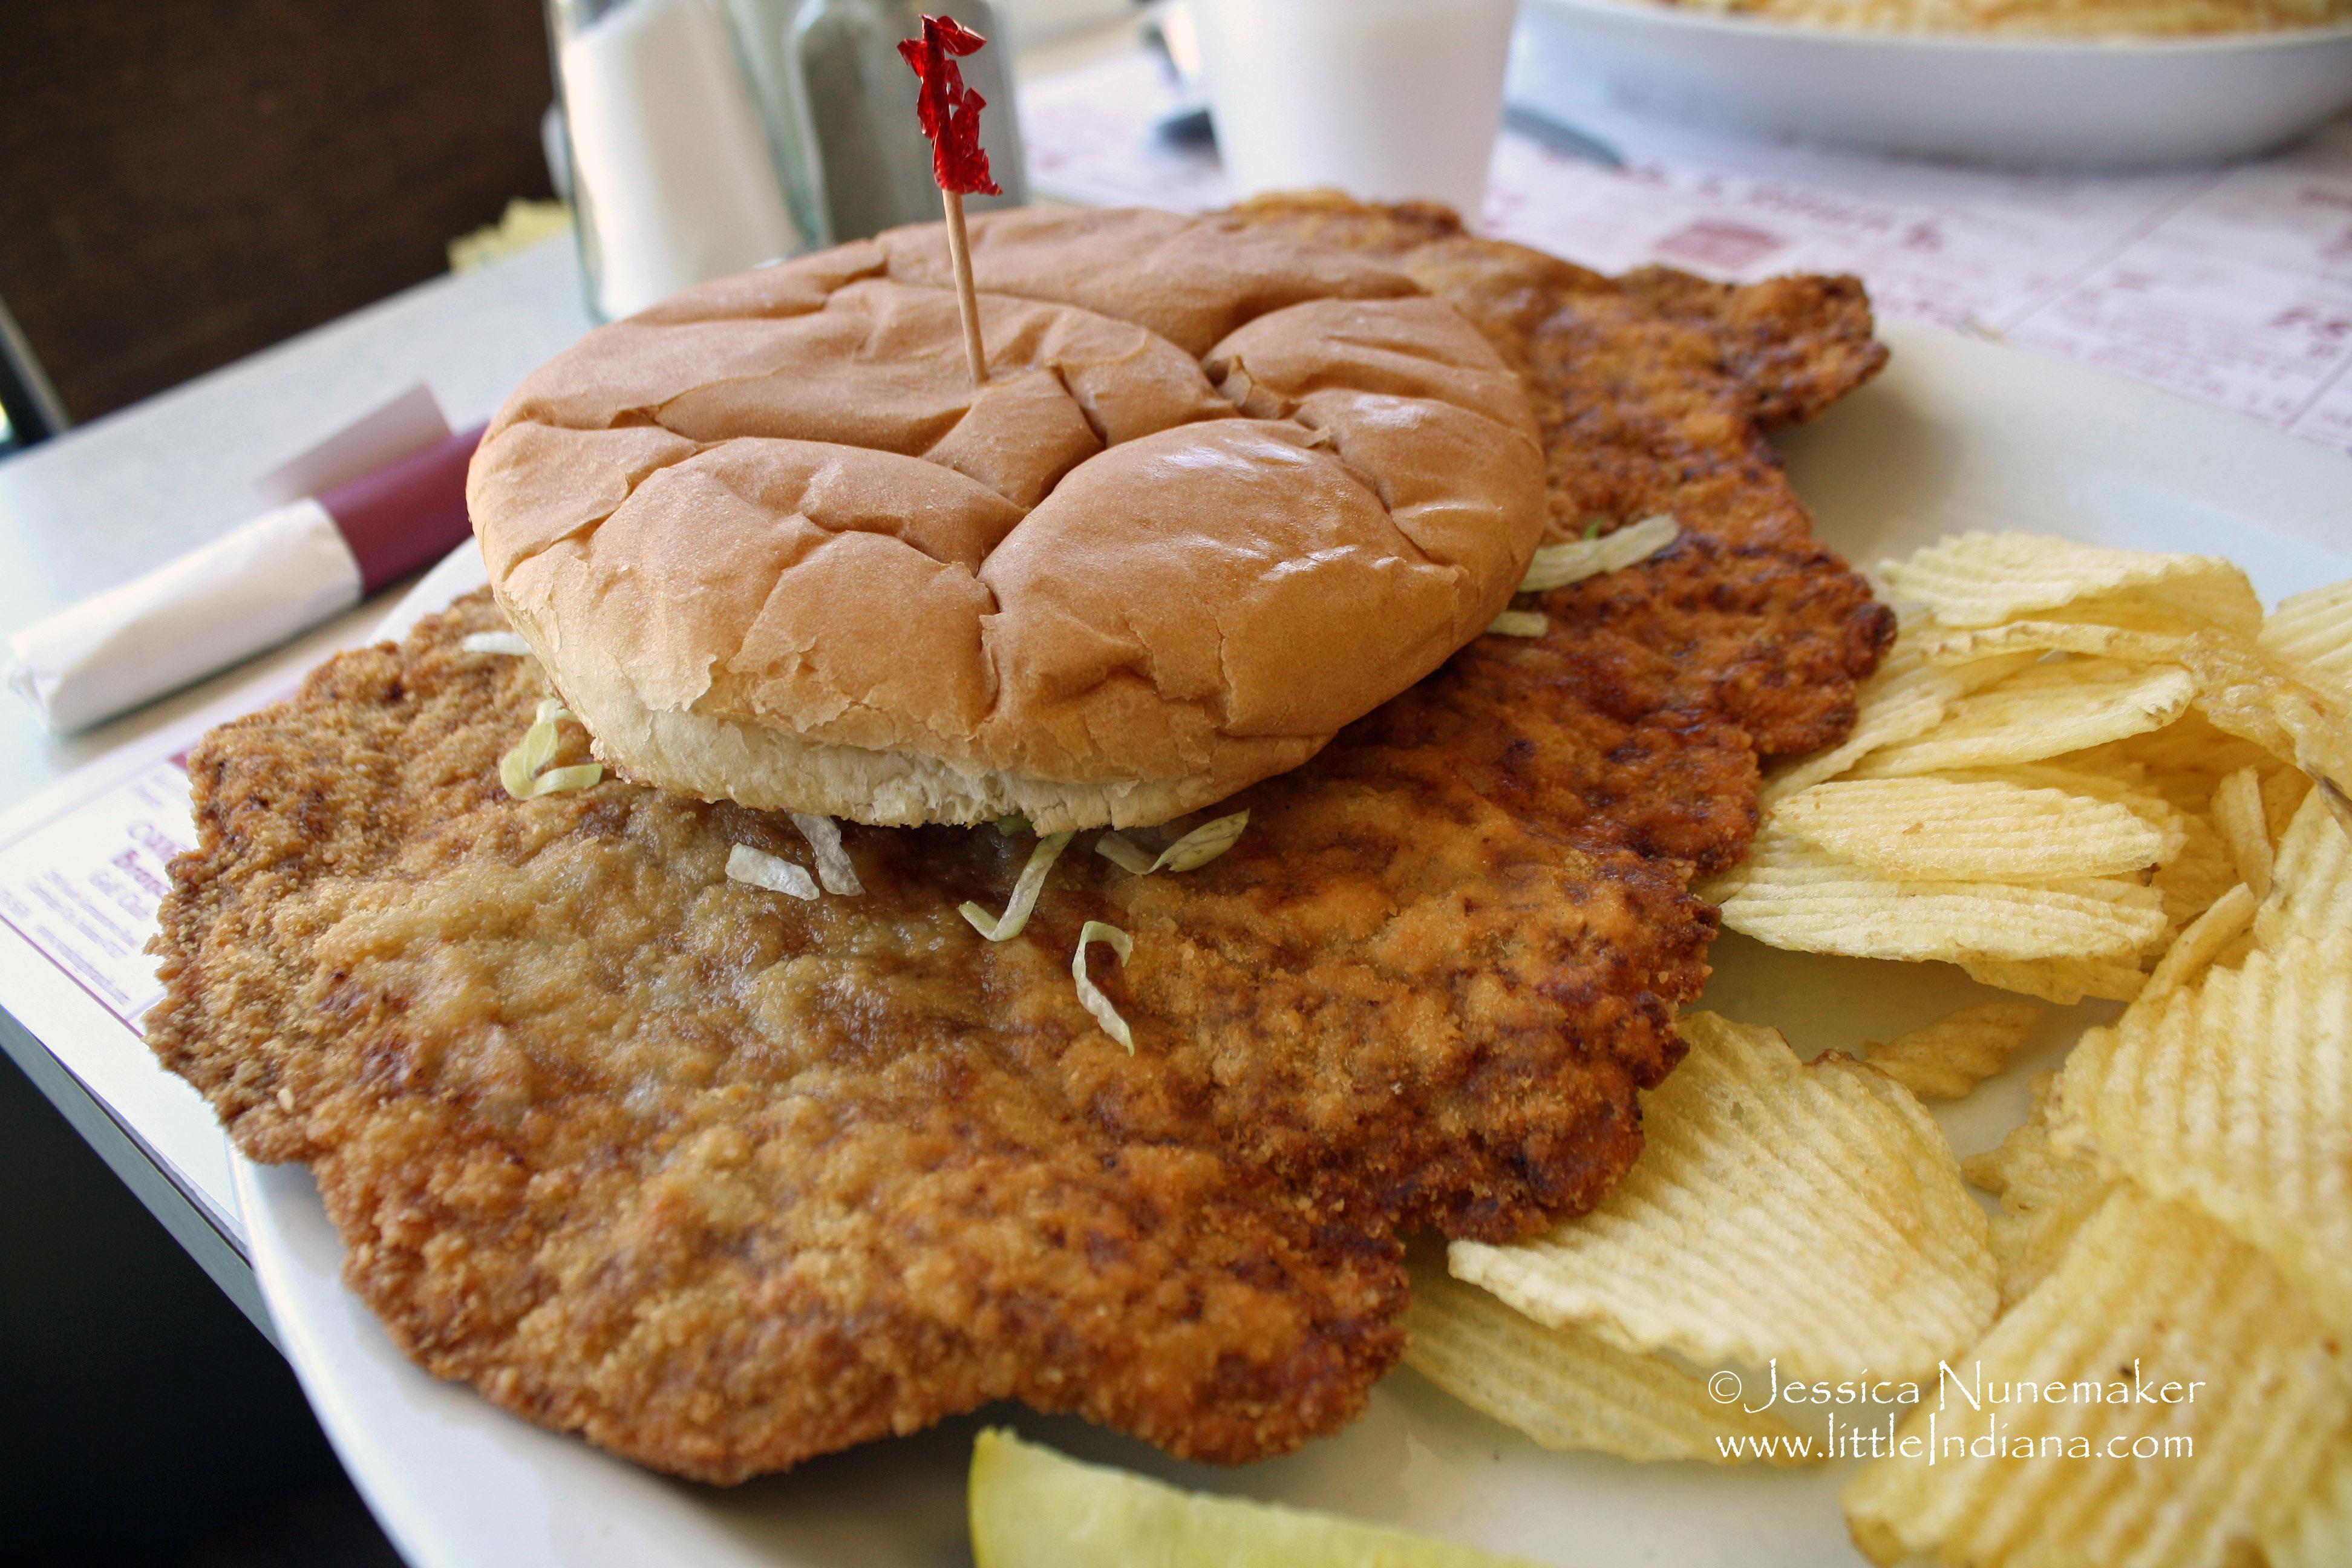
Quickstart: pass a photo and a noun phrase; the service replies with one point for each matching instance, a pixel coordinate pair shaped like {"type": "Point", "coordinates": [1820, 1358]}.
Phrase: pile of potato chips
{"type": "Point", "coordinates": [2082, 773]}
{"type": "Point", "coordinates": [2070, 753]}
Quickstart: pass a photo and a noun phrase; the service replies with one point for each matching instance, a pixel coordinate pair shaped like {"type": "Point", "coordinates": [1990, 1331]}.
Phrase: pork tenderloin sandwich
{"type": "Point", "coordinates": [751, 1093]}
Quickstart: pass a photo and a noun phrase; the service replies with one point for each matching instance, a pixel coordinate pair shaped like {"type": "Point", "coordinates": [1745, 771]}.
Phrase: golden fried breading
{"type": "Point", "coordinates": [725, 1180]}
{"type": "Point", "coordinates": [718, 1177]}
{"type": "Point", "coordinates": [1654, 390]}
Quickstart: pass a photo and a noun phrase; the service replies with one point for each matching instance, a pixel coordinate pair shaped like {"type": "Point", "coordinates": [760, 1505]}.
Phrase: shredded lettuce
{"type": "Point", "coordinates": [1123, 853]}
{"type": "Point", "coordinates": [495, 642]}
{"type": "Point", "coordinates": [578, 775]}
{"type": "Point", "coordinates": [833, 866]}
{"type": "Point", "coordinates": [758, 869]}
{"type": "Point", "coordinates": [1558, 565]}
{"type": "Point", "coordinates": [519, 769]}
{"type": "Point", "coordinates": [1091, 996]}
{"type": "Point", "coordinates": [1008, 826]}
{"type": "Point", "coordinates": [1519, 624]}
{"type": "Point", "coordinates": [1189, 853]}
{"type": "Point", "coordinates": [1032, 882]}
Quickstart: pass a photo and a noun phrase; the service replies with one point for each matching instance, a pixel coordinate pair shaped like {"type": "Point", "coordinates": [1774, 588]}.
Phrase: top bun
{"type": "Point", "coordinates": [1224, 492]}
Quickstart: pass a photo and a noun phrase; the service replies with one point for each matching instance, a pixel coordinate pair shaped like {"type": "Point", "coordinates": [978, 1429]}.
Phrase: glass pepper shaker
{"type": "Point", "coordinates": [875, 164]}
{"type": "Point", "coordinates": [764, 33]}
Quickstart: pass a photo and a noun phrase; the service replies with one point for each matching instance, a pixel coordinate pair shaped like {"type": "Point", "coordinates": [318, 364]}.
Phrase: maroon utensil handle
{"type": "Point", "coordinates": [407, 514]}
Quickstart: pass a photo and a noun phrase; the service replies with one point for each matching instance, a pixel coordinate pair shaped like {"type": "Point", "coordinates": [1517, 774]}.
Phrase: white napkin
{"type": "Point", "coordinates": [281, 573]}
{"type": "Point", "coordinates": [264, 582]}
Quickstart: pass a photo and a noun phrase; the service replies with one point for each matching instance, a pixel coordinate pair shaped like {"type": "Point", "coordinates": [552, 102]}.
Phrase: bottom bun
{"type": "Point", "coordinates": [772, 769]}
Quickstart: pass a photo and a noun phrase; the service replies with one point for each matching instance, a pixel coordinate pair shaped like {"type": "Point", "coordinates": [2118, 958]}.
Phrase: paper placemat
{"type": "Point", "coordinates": [2231, 285]}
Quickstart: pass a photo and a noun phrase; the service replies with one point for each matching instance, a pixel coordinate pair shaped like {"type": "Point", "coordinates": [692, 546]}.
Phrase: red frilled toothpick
{"type": "Point", "coordinates": [949, 113]}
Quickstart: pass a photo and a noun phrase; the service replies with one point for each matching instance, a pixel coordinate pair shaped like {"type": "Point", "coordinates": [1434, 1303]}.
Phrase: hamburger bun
{"type": "Point", "coordinates": [1224, 492]}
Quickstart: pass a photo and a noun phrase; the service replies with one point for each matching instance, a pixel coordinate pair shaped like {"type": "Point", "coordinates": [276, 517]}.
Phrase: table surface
{"type": "Point", "coordinates": [109, 500]}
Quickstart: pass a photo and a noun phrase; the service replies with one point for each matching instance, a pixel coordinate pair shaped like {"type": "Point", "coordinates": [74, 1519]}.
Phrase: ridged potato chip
{"type": "Point", "coordinates": [1811, 1213]}
{"type": "Point", "coordinates": [2236, 1096]}
{"type": "Point", "coordinates": [2042, 712]}
{"type": "Point", "coordinates": [1903, 697]}
{"type": "Point", "coordinates": [2245, 827]}
{"type": "Point", "coordinates": [1568, 1388]}
{"type": "Point", "coordinates": [1979, 829]}
{"type": "Point", "coordinates": [2064, 981]}
{"type": "Point", "coordinates": [1946, 1059]}
{"type": "Point", "coordinates": [2152, 1299]}
{"type": "Point", "coordinates": [2207, 938]}
{"type": "Point", "coordinates": [2046, 1194]}
{"type": "Point", "coordinates": [2318, 1532]}
{"type": "Point", "coordinates": [2090, 638]}
{"type": "Point", "coordinates": [2192, 869]}
{"type": "Point", "coordinates": [2249, 695]}
{"type": "Point", "coordinates": [2188, 752]}
{"type": "Point", "coordinates": [2283, 790]}
{"type": "Point", "coordinates": [2313, 630]}
{"type": "Point", "coordinates": [2310, 877]}
{"type": "Point", "coordinates": [1796, 895]}
{"type": "Point", "coordinates": [2231, 606]}
{"type": "Point", "coordinates": [1033, 1507]}
{"type": "Point", "coordinates": [1983, 579]}
{"type": "Point", "coordinates": [2104, 773]}
{"type": "Point", "coordinates": [2202, 872]}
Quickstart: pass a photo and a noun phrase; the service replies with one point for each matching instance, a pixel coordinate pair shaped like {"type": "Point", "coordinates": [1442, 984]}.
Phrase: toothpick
{"type": "Point", "coordinates": [967, 298]}
{"type": "Point", "coordinates": [949, 112]}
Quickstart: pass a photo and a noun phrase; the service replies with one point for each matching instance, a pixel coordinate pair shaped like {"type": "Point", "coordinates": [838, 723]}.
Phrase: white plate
{"type": "Point", "coordinates": [1957, 433]}
{"type": "Point", "coordinates": [2053, 103]}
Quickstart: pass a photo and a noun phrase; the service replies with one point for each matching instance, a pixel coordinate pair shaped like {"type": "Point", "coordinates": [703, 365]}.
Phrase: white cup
{"type": "Point", "coordinates": [1387, 99]}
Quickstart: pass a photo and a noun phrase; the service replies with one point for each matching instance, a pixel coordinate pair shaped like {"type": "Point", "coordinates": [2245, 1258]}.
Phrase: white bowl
{"type": "Point", "coordinates": [2039, 103]}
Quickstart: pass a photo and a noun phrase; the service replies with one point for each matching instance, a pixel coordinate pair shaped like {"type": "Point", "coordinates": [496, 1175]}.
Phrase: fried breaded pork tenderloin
{"type": "Point", "coordinates": [724, 1180]}
{"type": "Point", "coordinates": [1654, 390]}
{"type": "Point", "coordinates": [716, 1177]}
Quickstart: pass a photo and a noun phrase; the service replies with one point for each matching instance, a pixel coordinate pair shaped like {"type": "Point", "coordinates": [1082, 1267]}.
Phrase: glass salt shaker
{"type": "Point", "coordinates": [675, 178]}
